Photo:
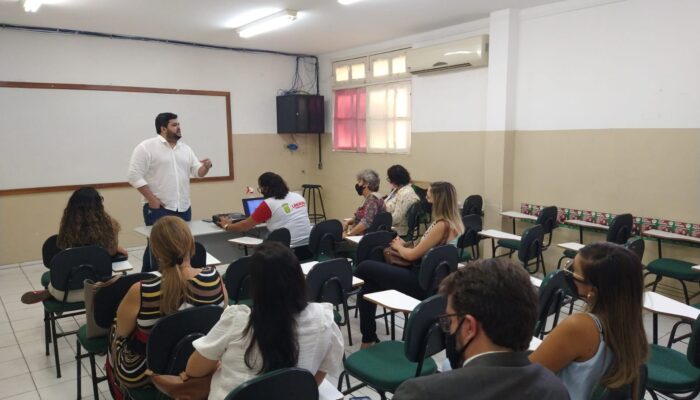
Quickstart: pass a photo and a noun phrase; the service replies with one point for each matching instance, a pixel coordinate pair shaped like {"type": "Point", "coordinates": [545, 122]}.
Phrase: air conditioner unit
{"type": "Point", "coordinates": [465, 53]}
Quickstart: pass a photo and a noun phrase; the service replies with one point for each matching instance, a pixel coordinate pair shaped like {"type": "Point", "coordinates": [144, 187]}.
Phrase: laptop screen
{"type": "Point", "coordinates": [249, 205]}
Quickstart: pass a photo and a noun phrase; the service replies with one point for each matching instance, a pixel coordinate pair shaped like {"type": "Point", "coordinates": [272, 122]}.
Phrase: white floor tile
{"type": "Point", "coordinates": [16, 385]}
{"type": "Point", "coordinates": [47, 377]}
{"type": "Point", "coordinates": [63, 389]}
{"type": "Point", "coordinates": [12, 368]}
{"type": "Point", "coordinates": [33, 395]}
{"type": "Point", "coordinates": [10, 353]}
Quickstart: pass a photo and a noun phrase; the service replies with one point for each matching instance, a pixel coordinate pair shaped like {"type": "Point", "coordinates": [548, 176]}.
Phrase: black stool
{"type": "Point", "coordinates": [313, 190]}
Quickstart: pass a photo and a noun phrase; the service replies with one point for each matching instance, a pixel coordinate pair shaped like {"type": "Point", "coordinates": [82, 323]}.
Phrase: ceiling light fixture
{"type": "Point", "coordinates": [348, 2]}
{"type": "Point", "coordinates": [31, 5]}
{"type": "Point", "coordinates": [267, 24]}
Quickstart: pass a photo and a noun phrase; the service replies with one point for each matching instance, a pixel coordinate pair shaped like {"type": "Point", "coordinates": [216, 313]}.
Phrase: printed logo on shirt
{"type": "Point", "coordinates": [298, 205]}
{"type": "Point", "coordinates": [286, 208]}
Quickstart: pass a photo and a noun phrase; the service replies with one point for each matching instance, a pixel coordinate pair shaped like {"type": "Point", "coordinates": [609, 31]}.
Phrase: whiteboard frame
{"type": "Point", "coordinates": [133, 89]}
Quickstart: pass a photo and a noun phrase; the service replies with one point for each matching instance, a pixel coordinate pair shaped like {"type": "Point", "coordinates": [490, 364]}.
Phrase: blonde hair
{"type": "Point", "coordinates": [171, 244]}
{"type": "Point", "coordinates": [445, 206]}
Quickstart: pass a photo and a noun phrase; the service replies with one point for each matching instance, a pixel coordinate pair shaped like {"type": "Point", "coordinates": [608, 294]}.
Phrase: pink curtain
{"type": "Point", "coordinates": [349, 131]}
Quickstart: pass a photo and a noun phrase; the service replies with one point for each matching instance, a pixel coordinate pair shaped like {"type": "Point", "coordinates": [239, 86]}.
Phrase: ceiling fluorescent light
{"type": "Point", "coordinates": [348, 2]}
{"type": "Point", "coordinates": [269, 23]}
{"type": "Point", "coordinates": [31, 5]}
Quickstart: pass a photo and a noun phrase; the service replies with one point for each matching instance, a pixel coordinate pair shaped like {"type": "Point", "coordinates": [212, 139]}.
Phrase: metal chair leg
{"type": "Point", "coordinates": [93, 371]}
{"type": "Point", "coordinates": [78, 357]}
{"type": "Point", "coordinates": [55, 344]}
{"type": "Point", "coordinates": [47, 331]}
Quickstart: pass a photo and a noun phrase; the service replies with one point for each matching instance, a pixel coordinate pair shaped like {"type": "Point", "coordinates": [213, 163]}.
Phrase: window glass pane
{"type": "Point", "coordinates": [358, 71]}
{"type": "Point", "coordinates": [377, 134]}
{"type": "Point", "coordinates": [380, 67]}
{"type": "Point", "coordinates": [377, 107]}
{"type": "Point", "coordinates": [402, 103]}
{"type": "Point", "coordinates": [398, 65]}
{"type": "Point", "coordinates": [403, 134]}
{"type": "Point", "coordinates": [342, 73]}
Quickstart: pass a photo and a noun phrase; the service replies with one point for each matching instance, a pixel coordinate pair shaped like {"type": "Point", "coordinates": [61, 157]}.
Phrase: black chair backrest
{"type": "Point", "coordinates": [423, 197]}
{"type": "Point", "coordinates": [413, 216]}
{"type": "Point", "coordinates": [286, 383]}
{"type": "Point", "coordinates": [237, 279]}
{"type": "Point", "coordinates": [693, 352]}
{"type": "Point", "coordinates": [199, 259]}
{"type": "Point", "coordinates": [280, 235]}
{"type": "Point", "coordinates": [108, 298]}
{"type": "Point", "coordinates": [472, 227]}
{"type": "Point", "coordinates": [548, 218]}
{"type": "Point", "coordinates": [328, 281]}
{"type": "Point", "coordinates": [71, 267]}
{"type": "Point", "coordinates": [436, 265]}
{"type": "Point", "coordinates": [553, 290]}
{"type": "Point", "coordinates": [423, 334]}
{"type": "Point", "coordinates": [49, 250]}
{"type": "Point", "coordinates": [382, 222]}
{"type": "Point", "coordinates": [636, 245]}
{"type": "Point", "coordinates": [170, 342]}
{"type": "Point", "coordinates": [531, 243]}
{"type": "Point", "coordinates": [472, 205]}
{"type": "Point", "coordinates": [324, 235]}
{"type": "Point", "coordinates": [620, 229]}
{"type": "Point", "coordinates": [372, 245]}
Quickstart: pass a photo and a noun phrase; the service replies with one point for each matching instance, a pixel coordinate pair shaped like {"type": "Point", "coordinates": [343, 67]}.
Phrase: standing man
{"type": "Point", "coordinates": [160, 169]}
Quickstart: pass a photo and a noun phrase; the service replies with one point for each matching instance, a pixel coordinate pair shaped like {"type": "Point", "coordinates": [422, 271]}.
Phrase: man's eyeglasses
{"type": "Point", "coordinates": [445, 321]}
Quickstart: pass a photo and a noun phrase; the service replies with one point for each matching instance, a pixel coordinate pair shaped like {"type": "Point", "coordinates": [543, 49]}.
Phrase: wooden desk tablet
{"type": "Point", "coordinates": [496, 234]}
{"type": "Point", "coordinates": [517, 215]}
{"type": "Point", "coordinates": [585, 224]}
{"type": "Point", "coordinates": [660, 304]}
{"type": "Point", "coordinates": [394, 301]}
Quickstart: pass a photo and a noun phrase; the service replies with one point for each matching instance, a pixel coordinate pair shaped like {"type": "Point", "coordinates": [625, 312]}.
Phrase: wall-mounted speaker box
{"type": "Point", "coordinates": [298, 113]}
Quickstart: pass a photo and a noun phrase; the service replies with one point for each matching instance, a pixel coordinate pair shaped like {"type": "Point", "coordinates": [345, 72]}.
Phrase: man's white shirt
{"type": "Point", "coordinates": [166, 170]}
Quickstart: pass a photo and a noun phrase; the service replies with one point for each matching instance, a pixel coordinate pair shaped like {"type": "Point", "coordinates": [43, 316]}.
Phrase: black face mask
{"type": "Point", "coordinates": [453, 353]}
{"type": "Point", "coordinates": [359, 189]}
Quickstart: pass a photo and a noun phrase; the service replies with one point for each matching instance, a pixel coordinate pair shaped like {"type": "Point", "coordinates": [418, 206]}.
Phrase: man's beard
{"type": "Point", "coordinates": [174, 136]}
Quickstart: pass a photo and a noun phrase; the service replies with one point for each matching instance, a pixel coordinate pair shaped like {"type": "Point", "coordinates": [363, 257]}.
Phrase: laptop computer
{"type": "Point", "coordinates": [249, 207]}
{"type": "Point", "coordinates": [251, 204]}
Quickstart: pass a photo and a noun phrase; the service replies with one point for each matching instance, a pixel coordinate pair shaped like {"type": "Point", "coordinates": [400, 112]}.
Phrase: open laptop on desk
{"type": "Point", "coordinates": [249, 207]}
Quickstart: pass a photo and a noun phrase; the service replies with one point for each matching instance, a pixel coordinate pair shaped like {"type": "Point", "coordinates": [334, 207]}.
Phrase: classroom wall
{"type": "Point", "coordinates": [604, 117]}
{"type": "Point", "coordinates": [252, 79]}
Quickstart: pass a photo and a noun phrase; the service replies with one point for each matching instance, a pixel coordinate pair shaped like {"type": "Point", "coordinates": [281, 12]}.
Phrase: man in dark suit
{"type": "Point", "coordinates": [490, 317]}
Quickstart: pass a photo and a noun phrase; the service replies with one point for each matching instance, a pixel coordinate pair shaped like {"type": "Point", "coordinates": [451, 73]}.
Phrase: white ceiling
{"type": "Point", "coordinates": [322, 26]}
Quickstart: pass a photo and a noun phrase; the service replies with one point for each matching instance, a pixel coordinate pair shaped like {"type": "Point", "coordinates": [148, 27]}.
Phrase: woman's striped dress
{"type": "Point", "coordinates": [128, 355]}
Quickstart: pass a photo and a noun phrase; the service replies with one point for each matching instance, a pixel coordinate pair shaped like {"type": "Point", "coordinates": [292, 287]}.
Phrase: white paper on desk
{"type": "Point", "coordinates": [246, 241]}
{"type": "Point", "coordinates": [354, 239]}
{"type": "Point", "coordinates": [326, 391]}
{"type": "Point", "coordinates": [122, 266]}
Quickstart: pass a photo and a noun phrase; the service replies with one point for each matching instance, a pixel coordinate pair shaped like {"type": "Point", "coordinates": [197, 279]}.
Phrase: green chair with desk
{"type": "Point", "coordinates": [619, 232]}
{"type": "Point", "coordinates": [237, 281]}
{"type": "Point", "coordinates": [547, 219]}
{"type": "Point", "coordinates": [679, 270]}
{"type": "Point", "coordinates": [286, 383]}
{"type": "Point", "coordinates": [672, 373]}
{"type": "Point", "coordinates": [470, 238]}
{"type": "Point", "coordinates": [387, 364]}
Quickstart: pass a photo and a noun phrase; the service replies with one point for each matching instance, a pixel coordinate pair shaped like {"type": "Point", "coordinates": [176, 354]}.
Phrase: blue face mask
{"type": "Point", "coordinates": [453, 353]}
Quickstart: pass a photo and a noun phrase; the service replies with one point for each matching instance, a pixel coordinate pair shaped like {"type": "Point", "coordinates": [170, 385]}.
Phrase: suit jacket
{"type": "Point", "coordinates": [499, 376]}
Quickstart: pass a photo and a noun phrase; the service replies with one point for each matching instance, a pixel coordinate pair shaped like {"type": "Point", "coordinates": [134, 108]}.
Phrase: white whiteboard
{"type": "Point", "coordinates": [77, 135]}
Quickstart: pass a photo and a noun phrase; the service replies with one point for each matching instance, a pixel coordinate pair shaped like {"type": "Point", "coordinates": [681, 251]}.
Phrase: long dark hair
{"type": "Point", "coordinates": [278, 290]}
{"type": "Point", "coordinates": [616, 275]}
{"type": "Point", "coordinates": [86, 223]}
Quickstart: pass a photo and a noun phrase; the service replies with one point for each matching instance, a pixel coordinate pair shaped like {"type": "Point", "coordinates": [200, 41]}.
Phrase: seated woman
{"type": "Point", "coordinates": [606, 344]}
{"type": "Point", "coordinates": [281, 330]}
{"type": "Point", "coordinates": [84, 223]}
{"type": "Point", "coordinates": [281, 209]}
{"type": "Point", "coordinates": [401, 197]}
{"type": "Point", "coordinates": [445, 229]}
{"type": "Point", "coordinates": [178, 287]}
{"type": "Point", "coordinates": [366, 186]}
